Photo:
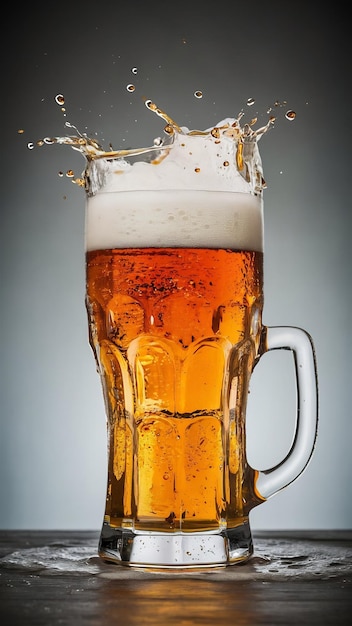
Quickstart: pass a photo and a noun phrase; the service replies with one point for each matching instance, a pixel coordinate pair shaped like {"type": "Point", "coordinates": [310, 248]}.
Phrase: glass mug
{"type": "Point", "coordinates": [174, 261]}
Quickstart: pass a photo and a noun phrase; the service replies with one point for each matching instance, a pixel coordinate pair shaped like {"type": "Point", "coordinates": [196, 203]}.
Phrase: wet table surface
{"type": "Point", "coordinates": [50, 578]}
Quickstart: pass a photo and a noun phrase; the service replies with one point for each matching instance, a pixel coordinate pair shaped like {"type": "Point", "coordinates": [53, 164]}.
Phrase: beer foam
{"type": "Point", "coordinates": [195, 188]}
{"type": "Point", "coordinates": [174, 218]}
{"type": "Point", "coordinates": [224, 158]}
{"type": "Point", "coordinates": [201, 189]}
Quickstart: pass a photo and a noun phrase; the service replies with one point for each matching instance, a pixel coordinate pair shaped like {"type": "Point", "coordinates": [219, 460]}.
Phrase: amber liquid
{"type": "Point", "coordinates": [176, 334]}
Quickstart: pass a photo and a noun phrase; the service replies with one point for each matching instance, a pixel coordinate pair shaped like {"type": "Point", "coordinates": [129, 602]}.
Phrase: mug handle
{"type": "Point", "coordinates": [272, 480]}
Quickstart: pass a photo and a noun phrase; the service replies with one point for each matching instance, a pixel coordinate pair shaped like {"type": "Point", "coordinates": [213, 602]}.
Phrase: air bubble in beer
{"type": "Point", "coordinates": [250, 102]}
{"type": "Point", "coordinates": [130, 87]}
{"type": "Point", "coordinates": [134, 70]}
{"type": "Point", "coordinates": [198, 94]}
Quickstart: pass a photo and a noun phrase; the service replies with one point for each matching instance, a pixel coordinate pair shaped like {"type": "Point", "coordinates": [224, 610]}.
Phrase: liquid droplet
{"type": "Point", "coordinates": [30, 145]}
{"type": "Point", "coordinates": [20, 131]}
{"type": "Point", "coordinates": [290, 115]}
{"type": "Point", "coordinates": [134, 70]}
{"type": "Point", "coordinates": [59, 99]}
{"type": "Point", "coordinates": [70, 174]}
{"type": "Point", "coordinates": [198, 94]}
{"type": "Point", "coordinates": [250, 102]}
{"type": "Point", "coordinates": [169, 129]}
{"type": "Point", "coordinates": [130, 87]}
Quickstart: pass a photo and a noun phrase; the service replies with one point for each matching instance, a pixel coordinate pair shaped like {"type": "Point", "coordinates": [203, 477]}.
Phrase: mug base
{"type": "Point", "coordinates": [177, 550]}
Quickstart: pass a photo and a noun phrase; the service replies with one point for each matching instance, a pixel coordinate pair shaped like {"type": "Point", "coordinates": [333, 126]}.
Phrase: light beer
{"type": "Point", "coordinates": [176, 334]}
{"type": "Point", "coordinates": [174, 257]}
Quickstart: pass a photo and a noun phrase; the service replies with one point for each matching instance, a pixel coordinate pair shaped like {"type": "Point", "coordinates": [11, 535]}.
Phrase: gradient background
{"type": "Point", "coordinates": [53, 447]}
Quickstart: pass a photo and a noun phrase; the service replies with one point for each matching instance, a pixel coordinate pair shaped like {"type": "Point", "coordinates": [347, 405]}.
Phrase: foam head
{"type": "Point", "coordinates": [199, 189]}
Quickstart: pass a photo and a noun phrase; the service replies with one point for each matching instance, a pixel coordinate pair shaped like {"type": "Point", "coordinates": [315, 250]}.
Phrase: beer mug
{"type": "Point", "coordinates": [174, 261]}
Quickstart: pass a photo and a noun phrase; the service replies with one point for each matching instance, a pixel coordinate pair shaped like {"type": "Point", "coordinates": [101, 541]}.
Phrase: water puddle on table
{"type": "Point", "coordinates": [273, 559]}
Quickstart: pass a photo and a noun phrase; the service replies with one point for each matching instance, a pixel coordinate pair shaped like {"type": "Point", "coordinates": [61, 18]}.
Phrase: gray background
{"type": "Point", "coordinates": [53, 449]}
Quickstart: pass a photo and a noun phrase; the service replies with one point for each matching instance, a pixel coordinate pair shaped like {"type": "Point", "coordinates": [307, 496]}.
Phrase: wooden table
{"type": "Point", "coordinates": [55, 578]}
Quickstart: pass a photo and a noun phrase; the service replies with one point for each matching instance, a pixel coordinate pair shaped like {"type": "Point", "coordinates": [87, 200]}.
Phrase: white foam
{"type": "Point", "coordinates": [191, 195]}
{"type": "Point", "coordinates": [174, 218]}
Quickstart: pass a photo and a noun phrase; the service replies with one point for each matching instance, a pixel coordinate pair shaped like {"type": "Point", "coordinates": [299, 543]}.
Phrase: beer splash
{"type": "Point", "coordinates": [244, 136]}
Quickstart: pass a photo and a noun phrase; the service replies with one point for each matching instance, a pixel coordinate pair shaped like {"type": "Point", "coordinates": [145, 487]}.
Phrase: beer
{"type": "Point", "coordinates": [174, 331]}
{"type": "Point", "coordinates": [174, 245]}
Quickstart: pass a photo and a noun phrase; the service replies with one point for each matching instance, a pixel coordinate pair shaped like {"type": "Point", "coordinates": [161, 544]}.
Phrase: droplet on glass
{"type": "Point", "coordinates": [250, 102]}
{"type": "Point", "coordinates": [134, 70]}
{"type": "Point", "coordinates": [158, 141]}
{"type": "Point", "coordinates": [197, 170]}
{"type": "Point", "coordinates": [20, 131]}
{"type": "Point", "coordinates": [61, 174]}
{"type": "Point", "coordinates": [30, 145]}
{"type": "Point", "coordinates": [130, 87]}
{"type": "Point", "coordinates": [198, 94]}
{"type": "Point", "coordinates": [59, 99]}
{"type": "Point", "coordinates": [226, 164]}
{"type": "Point", "coordinates": [290, 115]}
{"type": "Point", "coordinates": [70, 174]}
